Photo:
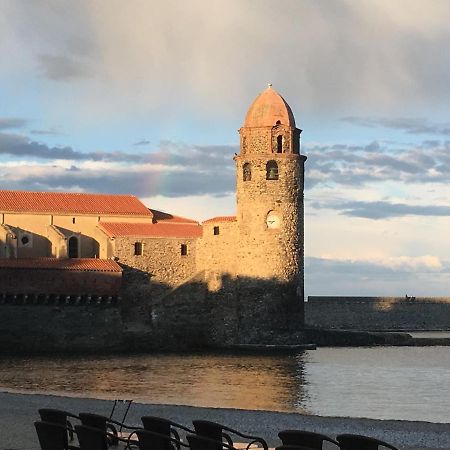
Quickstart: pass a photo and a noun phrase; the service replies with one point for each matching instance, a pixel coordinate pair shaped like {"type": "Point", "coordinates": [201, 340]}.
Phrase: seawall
{"type": "Point", "coordinates": [378, 313]}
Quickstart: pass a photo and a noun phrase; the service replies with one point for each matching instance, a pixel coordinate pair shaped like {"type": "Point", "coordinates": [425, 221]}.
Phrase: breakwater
{"type": "Point", "coordinates": [378, 313]}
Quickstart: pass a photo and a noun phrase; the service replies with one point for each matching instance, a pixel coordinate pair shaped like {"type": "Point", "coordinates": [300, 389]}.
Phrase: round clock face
{"type": "Point", "coordinates": [273, 220]}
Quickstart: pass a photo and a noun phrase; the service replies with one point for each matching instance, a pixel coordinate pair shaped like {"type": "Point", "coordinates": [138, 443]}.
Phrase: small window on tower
{"type": "Point", "coordinates": [280, 144]}
{"type": "Point", "coordinates": [138, 248]}
{"type": "Point", "coordinates": [247, 172]}
{"type": "Point", "coordinates": [216, 231]}
{"type": "Point", "coordinates": [183, 249]}
{"type": "Point", "coordinates": [73, 219]}
{"type": "Point", "coordinates": [271, 170]}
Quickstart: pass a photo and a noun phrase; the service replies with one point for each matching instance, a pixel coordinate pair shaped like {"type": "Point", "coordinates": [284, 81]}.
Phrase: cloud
{"type": "Point", "coordinates": [139, 54]}
{"type": "Point", "coordinates": [406, 124]}
{"type": "Point", "coordinates": [141, 180]}
{"type": "Point", "coordinates": [63, 68]}
{"type": "Point", "coordinates": [382, 209]}
{"type": "Point", "coordinates": [174, 169]}
{"type": "Point", "coordinates": [142, 142]}
{"type": "Point", "coordinates": [20, 146]}
{"type": "Point", "coordinates": [169, 153]}
{"type": "Point", "coordinates": [350, 165]}
{"type": "Point", "coordinates": [380, 266]}
{"type": "Point", "coordinates": [7, 123]}
{"type": "Point", "coordinates": [421, 275]}
{"type": "Point", "coordinates": [51, 132]}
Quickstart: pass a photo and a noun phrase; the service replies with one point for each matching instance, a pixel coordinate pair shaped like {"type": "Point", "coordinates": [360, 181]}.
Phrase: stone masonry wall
{"type": "Point", "coordinates": [149, 277]}
{"type": "Point", "coordinates": [218, 252]}
{"type": "Point", "coordinates": [62, 328]}
{"type": "Point", "coordinates": [66, 282]}
{"type": "Point", "coordinates": [161, 260]}
{"type": "Point", "coordinates": [268, 252]}
{"type": "Point", "coordinates": [378, 313]}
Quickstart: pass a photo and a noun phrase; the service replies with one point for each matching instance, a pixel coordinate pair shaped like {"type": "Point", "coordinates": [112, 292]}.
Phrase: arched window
{"type": "Point", "coordinates": [271, 170]}
{"type": "Point", "coordinates": [73, 247]}
{"type": "Point", "coordinates": [278, 122]}
{"type": "Point", "coordinates": [247, 172]}
{"type": "Point", "coordinates": [280, 144]}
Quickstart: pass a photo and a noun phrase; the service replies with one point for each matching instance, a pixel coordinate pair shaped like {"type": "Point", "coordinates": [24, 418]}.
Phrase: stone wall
{"type": "Point", "coordinates": [239, 310]}
{"type": "Point", "coordinates": [218, 252]}
{"type": "Point", "coordinates": [378, 313]}
{"type": "Point", "coordinates": [67, 282]}
{"type": "Point", "coordinates": [161, 259]}
{"type": "Point", "coordinates": [64, 328]}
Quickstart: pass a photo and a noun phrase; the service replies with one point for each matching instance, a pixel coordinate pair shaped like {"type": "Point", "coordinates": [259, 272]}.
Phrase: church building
{"type": "Point", "coordinates": [74, 240]}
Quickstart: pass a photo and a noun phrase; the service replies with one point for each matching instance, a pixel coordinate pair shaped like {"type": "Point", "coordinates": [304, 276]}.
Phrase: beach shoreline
{"type": "Point", "coordinates": [19, 411]}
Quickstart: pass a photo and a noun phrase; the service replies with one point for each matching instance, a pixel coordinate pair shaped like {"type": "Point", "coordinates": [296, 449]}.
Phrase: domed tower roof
{"type": "Point", "coordinates": [267, 109]}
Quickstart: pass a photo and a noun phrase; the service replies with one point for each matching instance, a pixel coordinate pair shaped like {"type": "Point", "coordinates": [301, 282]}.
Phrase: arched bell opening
{"type": "Point", "coordinates": [271, 170]}
{"type": "Point", "coordinates": [73, 247]}
{"type": "Point", "coordinates": [280, 144]}
{"type": "Point", "coordinates": [247, 172]}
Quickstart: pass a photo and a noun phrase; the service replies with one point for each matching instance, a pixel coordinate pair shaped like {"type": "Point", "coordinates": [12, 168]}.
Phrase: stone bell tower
{"type": "Point", "coordinates": [270, 171]}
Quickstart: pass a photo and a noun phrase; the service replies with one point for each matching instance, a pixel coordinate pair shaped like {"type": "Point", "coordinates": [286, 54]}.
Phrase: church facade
{"type": "Point", "coordinates": [263, 243]}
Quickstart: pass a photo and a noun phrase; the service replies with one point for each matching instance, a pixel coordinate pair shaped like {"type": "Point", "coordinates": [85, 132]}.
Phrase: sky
{"type": "Point", "coordinates": [146, 97]}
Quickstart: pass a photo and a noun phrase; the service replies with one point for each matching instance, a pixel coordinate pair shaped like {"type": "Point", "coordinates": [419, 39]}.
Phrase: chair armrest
{"type": "Point", "coordinates": [182, 427]}
{"type": "Point", "coordinates": [247, 436]}
{"type": "Point", "coordinates": [209, 440]}
{"type": "Point", "coordinates": [123, 425]}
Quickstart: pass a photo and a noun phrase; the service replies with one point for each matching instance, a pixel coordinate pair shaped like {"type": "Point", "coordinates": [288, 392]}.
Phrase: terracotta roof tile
{"type": "Point", "coordinates": [72, 203]}
{"type": "Point", "coordinates": [160, 216]}
{"type": "Point", "coordinates": [267, 109]}
{"type": "Point", "coordinates": [79, 264]}
{"type": "Point", "coordinates": [221, 219]}
{"type": "Point", "coordinates": [173, 230]}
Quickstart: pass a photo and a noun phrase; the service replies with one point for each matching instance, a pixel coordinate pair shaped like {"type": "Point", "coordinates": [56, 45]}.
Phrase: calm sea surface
{"type": "Point", "coordinates": [411, 383]}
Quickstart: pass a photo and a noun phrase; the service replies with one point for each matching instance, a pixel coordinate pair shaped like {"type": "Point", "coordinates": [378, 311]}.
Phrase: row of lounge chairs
{"type": "Point", "coordinates": [57, 431]}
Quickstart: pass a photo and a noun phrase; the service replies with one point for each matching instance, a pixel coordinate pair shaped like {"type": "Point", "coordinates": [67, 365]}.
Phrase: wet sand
{"type": "Point", "coordinates": [19, 411]}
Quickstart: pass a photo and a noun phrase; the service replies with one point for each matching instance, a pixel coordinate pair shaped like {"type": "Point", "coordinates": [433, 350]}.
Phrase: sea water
{"type": "Point", "coordinates": [410, 383]}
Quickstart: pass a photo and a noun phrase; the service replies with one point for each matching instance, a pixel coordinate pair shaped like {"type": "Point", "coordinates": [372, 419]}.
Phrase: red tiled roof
{"type": "Point", "coordinates": [221, 219]}
{"type": "Point", "coordinates": [160, 216]}
{"type": "Point", "coordinates": [82, 264]}
{"type": "Point", "coordinates": [71, 203]}
{"type": "Point", "coordinates": [174, 230]}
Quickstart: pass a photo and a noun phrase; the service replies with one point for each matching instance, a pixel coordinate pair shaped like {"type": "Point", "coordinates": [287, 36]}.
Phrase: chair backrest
{"type": "Point", "coordinates": [292, 447]}
{"type": "Point", "coordinates": [149, 440]}
{"type": "Point", "coordinates": [359, 442]}
{"type": "Point", "coordinates": [156, 424]}
{"type": "Point", "coordinates": [53, 415]}
{"type": "Point", "coordinates": [52, 436]}
{"type": "Point", "coordinates": [198, 442]}
{"type": "Point", "coordinates": [304, 438]}
{"type": "Point", "coordinates": [211, 430]}
{"type": "Point", "coordinates": [91, 438]}
{"type": "Point", "coordinates": [93, 420]}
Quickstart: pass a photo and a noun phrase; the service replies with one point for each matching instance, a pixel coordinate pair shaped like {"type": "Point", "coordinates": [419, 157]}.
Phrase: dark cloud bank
{"type": "Point", "coordinates": [179, 169]}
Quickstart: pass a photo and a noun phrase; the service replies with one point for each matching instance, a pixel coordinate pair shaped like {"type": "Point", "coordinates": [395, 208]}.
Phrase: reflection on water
{"type": "Point", "coordinates": [387, 382]}
{"type": "Point", "coordinates": [234, 381]}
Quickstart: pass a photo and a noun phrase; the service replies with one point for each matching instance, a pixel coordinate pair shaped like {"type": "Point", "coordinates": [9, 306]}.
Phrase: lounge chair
{"type": "Point", "coordinates": [164, 426]}
{"type": "Point", "coordinates": [105, 424]}
{"type": "Point", "coordinates": [305, 438]}
{"type": "Point", "coordinates": [53, 436]}
{"type": "Point", "coordinates": [359, 442]}
{"type": "Point", "coordinates": [59, 416]}
{"type": "Point", "coordinates": [197, 442]}
{"type": "Point", "coordinates": [219, 432]}
{"type": "Point", "coordinates": [91, 438]}
{"type": "Point", "coordinates": [149, 440]}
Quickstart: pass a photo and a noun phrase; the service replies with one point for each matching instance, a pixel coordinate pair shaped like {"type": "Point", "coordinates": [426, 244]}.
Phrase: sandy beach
{"type": "Point", "coordinates": [19, 411]}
